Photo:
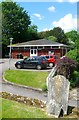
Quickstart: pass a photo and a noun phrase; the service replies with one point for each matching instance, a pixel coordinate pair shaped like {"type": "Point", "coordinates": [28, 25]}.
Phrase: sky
{"type": "Point", "coordinates": [47, 15]}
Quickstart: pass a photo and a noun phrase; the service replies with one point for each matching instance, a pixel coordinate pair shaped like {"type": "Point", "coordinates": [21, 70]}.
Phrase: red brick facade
{"type": "Point", "coordinates": [24, 53]}
{"type": "Point", "coordinates": [59, 52]}
{"type": "Point", "coordinates": [38, 47]}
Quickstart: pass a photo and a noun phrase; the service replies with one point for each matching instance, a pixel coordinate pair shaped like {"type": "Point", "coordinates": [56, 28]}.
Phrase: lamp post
{"type": "Point", "coordinates": [10, 52]}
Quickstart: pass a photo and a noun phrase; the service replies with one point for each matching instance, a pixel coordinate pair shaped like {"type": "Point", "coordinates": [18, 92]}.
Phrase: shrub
{"type": "Point", "coordinates": [74, 79]}
{"type": "Point", "coordinates": [72, 54]}
{"type": "Point", "coordinates": [66, 66]}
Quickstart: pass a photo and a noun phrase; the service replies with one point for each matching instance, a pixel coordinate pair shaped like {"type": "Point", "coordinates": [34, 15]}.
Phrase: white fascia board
{"type": "Point", "coordinates": [61, 45]}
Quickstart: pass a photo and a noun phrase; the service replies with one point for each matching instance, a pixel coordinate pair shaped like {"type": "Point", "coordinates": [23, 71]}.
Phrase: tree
{"type": "Point", "coordinates": [72, 35]}
{"type": "Point", "coordinates": [74, 54]}
{"type": "Point", "coordinates": [15, 22]}
{"type": "Point", "coordinates": [32, 32]}
{"type": "Point", "coordinates": [46, 34]}
{"type": "Point", "coordinates": [59, 34]}
{"type": "Point", "coordinates": [52, 38]}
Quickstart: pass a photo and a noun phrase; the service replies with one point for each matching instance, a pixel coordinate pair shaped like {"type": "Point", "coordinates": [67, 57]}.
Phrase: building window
{"type": "Point", "coordinates": [31, 51]}
{"type": "Point", "coordinates": [34, 51]}
{"type": "Point", "coordinates": [51, 52]}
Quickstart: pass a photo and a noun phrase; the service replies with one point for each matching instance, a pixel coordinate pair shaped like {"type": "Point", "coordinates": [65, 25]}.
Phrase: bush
{"type": "Point", "coordinates": [66, 66]}
{"type": "Point", "coordinates": [70, 69]}
{"type": "Point", "coordinates": [73, 54]}
{"type": "Point", "coordinates": [74, 79]}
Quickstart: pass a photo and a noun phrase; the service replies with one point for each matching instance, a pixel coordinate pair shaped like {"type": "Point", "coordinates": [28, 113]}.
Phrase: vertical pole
{"type": "Point", "coordinates": [10, 52]}
{"type": "Point", "coordinates": [62, 51]}
{"type": "Point", "coordinates": [66, 50]}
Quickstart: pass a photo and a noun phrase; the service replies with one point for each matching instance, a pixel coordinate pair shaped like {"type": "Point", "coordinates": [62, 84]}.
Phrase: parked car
{"type": "Point", "coordinates": [38, 62]}
{"type": "Point", "coordinates": [51, 59]}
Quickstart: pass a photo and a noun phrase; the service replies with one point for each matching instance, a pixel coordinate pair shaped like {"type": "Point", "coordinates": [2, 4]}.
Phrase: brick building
{"type": "Point", "coordinates": [38, 47]}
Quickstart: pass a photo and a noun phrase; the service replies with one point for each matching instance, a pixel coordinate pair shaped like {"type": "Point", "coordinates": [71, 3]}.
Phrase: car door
{"type": "Point", "coordinates": [27, 63]}
{"type": "Point", "coordinates": [33, 63]}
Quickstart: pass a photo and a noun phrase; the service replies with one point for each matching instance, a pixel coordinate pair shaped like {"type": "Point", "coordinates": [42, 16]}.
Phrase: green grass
{"type": "Point", "coordinates": [0, 108]}
{"type": "Point", "coordinates": [12, 109]}
{"type": "Point", "coordinates": [36, 79]}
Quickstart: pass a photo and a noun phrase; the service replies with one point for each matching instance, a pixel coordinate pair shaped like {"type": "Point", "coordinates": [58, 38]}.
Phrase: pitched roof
{"type": "Point", "coordinates": [40, 42]}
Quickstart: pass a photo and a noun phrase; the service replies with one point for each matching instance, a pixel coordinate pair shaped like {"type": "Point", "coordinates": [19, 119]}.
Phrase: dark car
{"type": "Point", "coordinates": [38, 62]}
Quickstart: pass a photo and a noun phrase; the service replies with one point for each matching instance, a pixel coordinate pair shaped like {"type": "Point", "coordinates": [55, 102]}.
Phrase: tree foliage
{"type": "Point", "coordinates": [74, 54]}
{"type": "Point", "coordinates": [72, 35]}
{"type": "Point", "coordinates": [33, 33]}
{"type": "Point", "coordinates": [74, 79]}
{"type": "Point", "coordinates": [15, 22]}
{"type": "Point", "coordinates": [58, 33]}
{"type": "Point", "coordinates": [46, 34]}
{"type": "Point", "coordinates": [52, 38]}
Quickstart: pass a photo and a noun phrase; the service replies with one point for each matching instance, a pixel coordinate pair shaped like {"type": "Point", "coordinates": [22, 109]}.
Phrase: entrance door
{"type": "Point", "coordinates": [33, 52]}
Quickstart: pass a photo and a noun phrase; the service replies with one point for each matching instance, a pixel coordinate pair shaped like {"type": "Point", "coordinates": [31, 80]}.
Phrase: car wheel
{"type": "Point", "coordinates": [51, 65]}
{"type": "Point", "coordinates": [39, 67]}
{"type": "Point", "coordinates": [18, 66]}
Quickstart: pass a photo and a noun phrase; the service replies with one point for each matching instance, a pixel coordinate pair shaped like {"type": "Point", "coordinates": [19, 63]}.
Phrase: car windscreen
{"type": "Point", "coordinates": [42, 58]}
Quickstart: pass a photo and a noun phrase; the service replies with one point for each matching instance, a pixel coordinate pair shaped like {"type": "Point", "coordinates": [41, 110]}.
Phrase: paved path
{"type": "Point", "coordinates": [23, 91]}
{"type": "Point", "coordinates": [14, 89]}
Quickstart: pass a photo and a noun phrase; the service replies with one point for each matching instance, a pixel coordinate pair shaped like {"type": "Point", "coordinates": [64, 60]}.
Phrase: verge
{"type": "Point", "coordinates": [22, 86]}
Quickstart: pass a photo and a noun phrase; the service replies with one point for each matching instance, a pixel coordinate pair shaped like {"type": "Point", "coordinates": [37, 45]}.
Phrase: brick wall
{"type": "Point", "coordinates": [40, 52]}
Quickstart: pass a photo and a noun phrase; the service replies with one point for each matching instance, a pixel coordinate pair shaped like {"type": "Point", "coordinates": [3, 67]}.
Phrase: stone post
{"type": "Point", "coordinates": [58, 91]}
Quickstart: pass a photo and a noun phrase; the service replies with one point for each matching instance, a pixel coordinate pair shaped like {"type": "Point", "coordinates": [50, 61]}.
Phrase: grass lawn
{"type": "Point", "coordinates": [36, 79]}
{"type": "Point", "coordinates": [12, 109]}
{"type": "Point", "coordinates": [0, 108]}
